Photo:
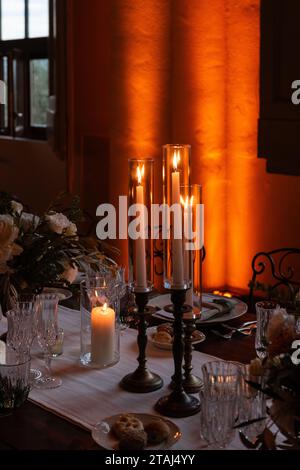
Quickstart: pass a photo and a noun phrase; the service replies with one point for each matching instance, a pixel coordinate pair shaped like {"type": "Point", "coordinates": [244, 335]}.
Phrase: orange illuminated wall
{"type": "Point", "coordinates": [187, 71]}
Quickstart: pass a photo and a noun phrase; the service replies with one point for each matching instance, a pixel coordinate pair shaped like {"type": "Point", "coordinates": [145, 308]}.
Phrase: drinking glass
{"type": "Point", "coordinates": [252, 405]}
{"type": "Point", "coordinates": [219, 405]}
{"type": "Point", "coordinates": [14, 380]}
{"type": "Point", "coordinates": [46, 321]}
{"type": "Point", "coordinates": [264, 310]}
{"type": "Point", "coordinates": [21, 328]}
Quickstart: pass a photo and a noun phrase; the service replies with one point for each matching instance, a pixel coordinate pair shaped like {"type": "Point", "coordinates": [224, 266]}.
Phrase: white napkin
{"type": "Point", "coordinates": [206, 313]}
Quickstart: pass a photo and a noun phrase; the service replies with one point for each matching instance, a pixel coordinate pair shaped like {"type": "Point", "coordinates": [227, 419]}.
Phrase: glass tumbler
{"type": "Point", "coordinates": [219, 404]}
{"type": "Point", "coordinates": [252, 405]}
{"type": "Point", "coordinates": [264, 311]}
{"type": "Point", "coordinates": [14, 380]}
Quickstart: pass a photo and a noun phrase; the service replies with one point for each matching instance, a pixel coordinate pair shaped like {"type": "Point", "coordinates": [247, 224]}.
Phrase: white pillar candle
{"type": "Point", "coordinates": [2, 352]}
{"type": "Point", "coordinates": [103, 335]}
{"type": "Point", "coordinates": [141, 273]}
{"type": "Point", "coordinates": [177, 243]}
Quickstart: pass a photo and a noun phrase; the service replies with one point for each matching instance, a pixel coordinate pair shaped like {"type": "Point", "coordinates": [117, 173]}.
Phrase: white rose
{"type": "Point", "coordinates": [28, 221]}
{"type": "Point", "coordinates": [57, 222]}
{"type": "Point", "coordinates": [70, 273]}
{"type": "Point", "coordinates": [71, 231]}
{"type": "Point", "coordinates": [16, 207]}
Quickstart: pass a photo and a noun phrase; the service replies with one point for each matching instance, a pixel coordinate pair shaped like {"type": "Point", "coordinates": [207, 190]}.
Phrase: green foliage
{"type": "Point", "coordinates": [69, 205]}
{"type": "Point", "coordinates": [45, 255]}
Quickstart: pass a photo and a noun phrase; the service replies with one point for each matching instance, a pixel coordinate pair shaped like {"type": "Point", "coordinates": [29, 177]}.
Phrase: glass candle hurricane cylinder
{"type": "Point", "coordinates": [176, 179]}
{"type": "Point", "coordinates": [139, 224]}
{"type": "Point", "coordinates": [193, 244]}
{"type": "Point", "coordinates": [100, 343]}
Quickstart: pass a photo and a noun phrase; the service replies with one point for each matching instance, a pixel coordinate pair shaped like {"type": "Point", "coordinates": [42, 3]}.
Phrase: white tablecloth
{"type": "Point", "coordinates": [87, 396]}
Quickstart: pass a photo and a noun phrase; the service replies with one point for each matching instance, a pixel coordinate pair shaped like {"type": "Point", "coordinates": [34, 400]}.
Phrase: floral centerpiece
{"type": "Point", "coordinates": [279, 375]}
{"type": "Point", "coordinates": [43, 250]}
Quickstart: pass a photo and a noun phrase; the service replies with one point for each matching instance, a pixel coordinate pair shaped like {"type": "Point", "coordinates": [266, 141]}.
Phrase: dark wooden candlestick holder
{"type": "Point", "coordinates": [178, 403]}
{"type": "Point", "coordinates": [142, 380]}
{"type": "Point", "coordinates": [191, 383]}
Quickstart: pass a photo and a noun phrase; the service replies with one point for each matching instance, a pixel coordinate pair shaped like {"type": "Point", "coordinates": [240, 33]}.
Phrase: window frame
{"type": "Point", "coordinates": [29, 49]}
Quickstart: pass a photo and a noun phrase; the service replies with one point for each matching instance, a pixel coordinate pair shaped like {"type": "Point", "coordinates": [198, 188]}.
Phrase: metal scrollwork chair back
{"type": "Point", "coordinates": [282, 264]}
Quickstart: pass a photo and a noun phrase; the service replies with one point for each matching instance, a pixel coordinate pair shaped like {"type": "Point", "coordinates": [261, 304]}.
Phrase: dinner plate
{"type": "Point", "coordinates": [63, 294]}
{"type": "Point", "coordinates": [102, 434]}
{"type": "Point", "coordinates": [239, 308]}
{"type": "Point", "coordinates": [168, 346]}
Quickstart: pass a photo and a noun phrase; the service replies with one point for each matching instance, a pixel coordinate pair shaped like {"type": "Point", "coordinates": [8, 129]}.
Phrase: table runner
{"type": "Point", "coordinates": [87, 395]}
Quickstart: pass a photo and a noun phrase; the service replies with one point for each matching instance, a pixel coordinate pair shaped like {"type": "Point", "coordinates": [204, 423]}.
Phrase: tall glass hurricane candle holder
{"type": "Point", "coordinates": [193, 244]}
{"type": "Point", "coordinates": [177, 269]}
{"type": "Point", "coordinates": [139, 224]}
{"type": "Point", "coordinates": [140, 248]}
{"type": "Point", "coordinates": [100, 335]}
{"type": "Point", "coordinates": [176, 190]}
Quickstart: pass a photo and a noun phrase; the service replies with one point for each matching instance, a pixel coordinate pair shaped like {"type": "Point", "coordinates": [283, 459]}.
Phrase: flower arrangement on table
{"type": "Point", "coordinates": [279, 375]}
{"type": "Point", "coordinates": [39, 251]}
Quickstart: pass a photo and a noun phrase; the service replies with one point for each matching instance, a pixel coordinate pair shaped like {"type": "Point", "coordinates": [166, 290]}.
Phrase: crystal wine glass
{"type": "Point", "coordinates": [46, 323]}
{"type": "Point", "coordinates": [252, 405]}
{"type": "Point", "coordinates": [264, 311]}
{"type": "Point", "coordinates": [21, 328]}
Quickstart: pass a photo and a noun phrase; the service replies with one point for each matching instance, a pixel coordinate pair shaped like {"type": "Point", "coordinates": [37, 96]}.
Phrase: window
{"type": "Point", "coordinates": [24, 66]}
{"type": "Point", "coordinates": [279, 121]}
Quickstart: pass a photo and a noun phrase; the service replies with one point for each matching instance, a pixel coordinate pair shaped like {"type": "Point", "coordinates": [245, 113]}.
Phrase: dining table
{"type": "Point", "coordinates": [36, 426]}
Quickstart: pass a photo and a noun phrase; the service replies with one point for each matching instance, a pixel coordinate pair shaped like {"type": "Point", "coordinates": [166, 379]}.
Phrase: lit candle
{"type": "Point", "coordinates": [141, 275]}
{"type": "Point", "coordinates": [2, 352]}
{"type": "Point", "coordinates": [103, 335]}
{"type": "Point", "coordinates": [177, 243]}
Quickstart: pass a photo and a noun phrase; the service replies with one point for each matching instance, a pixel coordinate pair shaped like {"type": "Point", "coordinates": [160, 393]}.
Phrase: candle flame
{"type": "Point", "coordinates": [176, 159]}
{"type": "Point", "coordinates": [140, 173]}
{"type": "Point", "coordinates": [186, 202]}
{"type": "Point", "coordinates": [104, 306]}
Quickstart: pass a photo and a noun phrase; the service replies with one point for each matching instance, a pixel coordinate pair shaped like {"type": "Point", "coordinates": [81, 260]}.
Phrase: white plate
{"type": "Point", "coordinates": [63, 294]}
{"type": "Point", "coordinates": [168, 346]}
{"type": "Point", "coordinates": [239, 308]}
{"type": "Point", "coordinates": [101, 433]}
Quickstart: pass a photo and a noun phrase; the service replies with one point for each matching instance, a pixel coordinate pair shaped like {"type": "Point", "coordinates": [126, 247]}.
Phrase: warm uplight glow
{"type": "Point", "coordinates": [176, 160]}
{"type": "Point", "coordinates": [244, 204]}
{"type": "Point", "coordinates": [199, 106]}
{"type": "Point", "coordinates": [140, 172]}
{"type": "Point", "coordinates": [211, 102]}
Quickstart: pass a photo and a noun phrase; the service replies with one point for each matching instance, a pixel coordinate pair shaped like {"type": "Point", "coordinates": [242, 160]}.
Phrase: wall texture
{"type": "Point", "coordinates": [151, 72]}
